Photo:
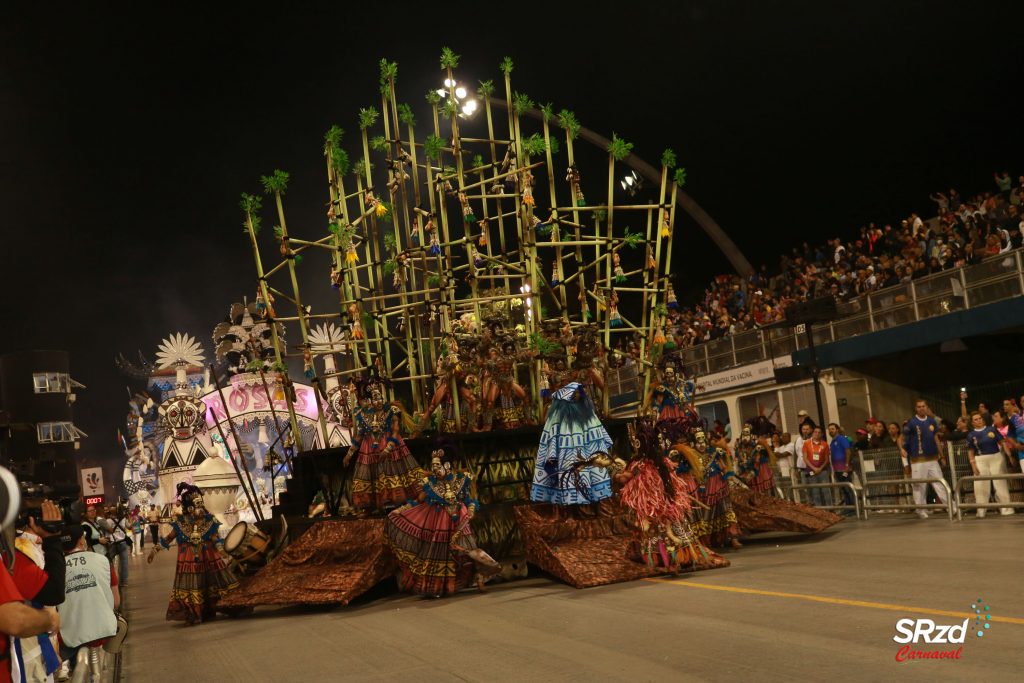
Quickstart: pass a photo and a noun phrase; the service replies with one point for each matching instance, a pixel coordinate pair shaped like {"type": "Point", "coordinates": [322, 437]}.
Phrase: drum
{"type": "Point", "coordinates": [247, 545]}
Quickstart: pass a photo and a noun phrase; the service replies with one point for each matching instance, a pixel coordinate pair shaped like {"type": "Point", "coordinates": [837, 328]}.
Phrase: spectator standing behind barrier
{"type": "Point", "coordinates": [783, 446]}
{"type": "Point", "coordinates": [816, 455]}
{"type": "Point", "coordinates": [984, 449]}
{"type": "Point", "coordinates": [839, 448]}
{"type": "Point", "coordinates": [920, 451]}
{"type": "Point", "coordinates": [1014, 444]}
{"type": "Point", "coordinates": [798, 448]}
{"type": "Point", "coordinates": [95, 536]}
{"type": "Point", "coordinates": [119, 546]}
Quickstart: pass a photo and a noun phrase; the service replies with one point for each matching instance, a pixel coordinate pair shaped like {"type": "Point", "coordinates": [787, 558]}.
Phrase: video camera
{"type": "Point", "coordinates": [65, 498]}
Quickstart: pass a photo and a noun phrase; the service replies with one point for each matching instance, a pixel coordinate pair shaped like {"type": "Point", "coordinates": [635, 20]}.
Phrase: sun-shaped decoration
{"type": "Point", "coordinates": [326, 338]}
{"type": "Point", "coordinates": [179, 349]}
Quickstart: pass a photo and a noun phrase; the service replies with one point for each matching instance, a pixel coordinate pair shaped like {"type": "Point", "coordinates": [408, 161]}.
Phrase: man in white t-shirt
{"type": "Point", "coordinates": [784, 456]}
{"type": "Point", "coordinates": [803, 470]}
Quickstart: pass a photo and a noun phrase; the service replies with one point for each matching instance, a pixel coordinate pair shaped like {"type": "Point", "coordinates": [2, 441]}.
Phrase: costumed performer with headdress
{"type": "Point", "coordinates": [720, 527]}
{"type": "Point", "coordinates": [659, 498]}
{"type": "Point", "coordinates": [433, 540]}
{"type": "Point", "coordinates": [202, 576]}
{"type": "Point", "coordinates": [755, 459]}
{"type": "Point", "coordinates": [572, 432]}
{"type": "Point", "coordinates": [386, 475]}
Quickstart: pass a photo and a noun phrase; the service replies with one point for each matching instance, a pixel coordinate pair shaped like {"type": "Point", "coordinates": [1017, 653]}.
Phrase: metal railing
{"type": "Point", "coordinates": [947, 506]}
{"type": "Point", "coordinates": [1009, 476]}
{"type": "Point", "coordinates": [856, 507]}
{"type": "Point", "coordinates": [996, 278]}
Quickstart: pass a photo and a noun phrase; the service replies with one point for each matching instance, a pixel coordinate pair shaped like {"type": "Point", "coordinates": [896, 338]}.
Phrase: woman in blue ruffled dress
{"type": "Point", "coordinates": [572, 432]}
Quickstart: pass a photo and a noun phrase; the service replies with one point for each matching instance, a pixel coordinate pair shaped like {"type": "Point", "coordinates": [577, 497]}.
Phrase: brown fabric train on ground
{"type": "Point", "coordinates": [586, 546]}
{"type": "Point", "coordinates": [759, 512]}
{"type": "Point", "coordinates": [332, 563]}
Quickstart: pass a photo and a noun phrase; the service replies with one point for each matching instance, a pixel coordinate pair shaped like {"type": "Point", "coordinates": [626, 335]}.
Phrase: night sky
{"type": "Point", "coordinates": [127, 138]}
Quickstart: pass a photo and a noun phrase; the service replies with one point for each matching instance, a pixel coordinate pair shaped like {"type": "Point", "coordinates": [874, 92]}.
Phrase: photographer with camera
{"type": "Point", "coordinates": [120, 545]}
{"type": "Point", "coordinates": [25, 577]}
{"type": "Point", "coordinates": [95, 537]}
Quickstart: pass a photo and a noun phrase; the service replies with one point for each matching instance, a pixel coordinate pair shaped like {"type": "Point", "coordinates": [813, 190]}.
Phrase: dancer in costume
{"type": "Point", "coordinates": [719, 526]}
{"type": "Point", "coordinates": [432, 539]}
{"type": "Point", "coordinates": [672, 396]}
{"type": "Point", "coordinates": [386, 475]}
{"type": "Point", "coordinates": [572, 432]}
{"type": "Point", "coordinates": [755, 459]}
{"type": "Point", "coordinates": [504, 398]}
{"type": "Point", "coordinates": [659, 498]}
{"type": "Point", "coordinates": [202, 576]}
{"type": "Point", "coordinates": [456, 367]}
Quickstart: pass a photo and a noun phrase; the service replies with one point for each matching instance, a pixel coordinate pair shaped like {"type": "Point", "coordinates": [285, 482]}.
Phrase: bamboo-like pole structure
{"type": "Point", "coordinates": [251, 229]}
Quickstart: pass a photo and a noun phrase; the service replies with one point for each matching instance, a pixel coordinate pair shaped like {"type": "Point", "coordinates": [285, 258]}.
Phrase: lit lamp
{"type": "Point", "coordinates": [632, 183]}
{"type": "Point", "coordinates": [219, 484]}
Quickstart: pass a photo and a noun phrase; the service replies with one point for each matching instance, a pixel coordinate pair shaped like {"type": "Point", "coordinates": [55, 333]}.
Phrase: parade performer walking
{"type": "Point", "coordinates": [672, 396]}
{"type": "Point", "coordinates": [432, 539]}
{"type": "Point", "coordinates": [202, 576]}
{"type": "Point", "coordinates": [572, 432]}
{"type": "Point", "coordinates": [755, 459]}
{"type": "Point", "coordinates": [660, 500]}
{"type": "Point", "coordinates": [386, 475]}
{"type": "Point", "coordinates": [719, 526]}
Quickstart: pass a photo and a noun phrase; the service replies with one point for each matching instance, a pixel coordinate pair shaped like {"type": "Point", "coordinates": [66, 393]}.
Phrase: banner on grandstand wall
{"type": "Point", "coordinates": [745, 374]}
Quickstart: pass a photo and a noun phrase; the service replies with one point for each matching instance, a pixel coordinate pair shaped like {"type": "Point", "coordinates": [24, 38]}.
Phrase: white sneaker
{"type": "Point", "coordinates": [1006, 511]}
{"type": "Point", "coordinates": [980, 514]}
{"type": "Point", "coordinates": [64, 673]}
{"type": "Point", "coordinates": [922, 514]}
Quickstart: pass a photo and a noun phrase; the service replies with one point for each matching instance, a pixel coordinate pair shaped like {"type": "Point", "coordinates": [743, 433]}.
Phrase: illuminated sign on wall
{"type": "Point", "coordinates": [94, 500]}
{"type": "Point", "coordinates": [245, 398]}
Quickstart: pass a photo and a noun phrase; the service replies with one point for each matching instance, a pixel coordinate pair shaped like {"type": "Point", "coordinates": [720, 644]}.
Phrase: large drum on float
{"type": "Point", "coordinates": [248, 546]}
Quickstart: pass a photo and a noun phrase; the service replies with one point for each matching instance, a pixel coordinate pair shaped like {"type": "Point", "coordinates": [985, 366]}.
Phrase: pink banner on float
{"type": "Point", "coordinates": [244, 398]}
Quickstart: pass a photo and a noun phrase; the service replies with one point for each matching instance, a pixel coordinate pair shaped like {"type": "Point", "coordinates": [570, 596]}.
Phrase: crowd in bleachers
{"type": "Point", "coordinates": [963, 232]}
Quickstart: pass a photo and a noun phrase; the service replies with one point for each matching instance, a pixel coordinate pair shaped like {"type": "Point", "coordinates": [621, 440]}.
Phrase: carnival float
{"type": "Point", "coordinates": [500, 278]}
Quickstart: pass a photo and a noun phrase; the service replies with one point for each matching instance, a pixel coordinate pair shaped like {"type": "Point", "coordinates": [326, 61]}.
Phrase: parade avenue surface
{"type": "Point", "coordinates": [811, 608]}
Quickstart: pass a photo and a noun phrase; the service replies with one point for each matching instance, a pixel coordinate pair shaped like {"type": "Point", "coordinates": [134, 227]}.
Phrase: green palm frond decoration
{"type": "Point", "coordinates": [506, 65]}
{"type": "Point", "coordinates": [449, 109]}
{"type": "Point", "coordinates": [333, 136]}
{"type": "Point", "coordinates": [543, 345]}
{"type": "Point", "coordinates": [390, 265]}
{"type": "Point", "coordinates": [434, 280]}
{"type": "Point", "coordinates": [619, 148]}
{"type": "Point", "coordinates": [534, 145]}
{"type": "Point", "coordinates": [633, 239]}
{"type": "Point", "coordinates": [339, 158]}
{"type": "Point", "coordinates": [378, 143]}
{"type": "Point", "coordinates": [478, 160]}
{"type": "Point", "coordinates": [449, 60]}
{"type": "Point", "coordinates": [251, 205]}
{"type": "Point", "coordinates": [433, 97]}
{"type": "Point", "coordinates": [432, 147]}
{"type": "Point", "coordinates": [276, 182]}
{"type": "Point", "coordinates": [521, 103]}
{"type": "Point", "coordinates": [567, 120]}
{"type": "Point", "coordinates": [278, 231]}
{"type": "Point", "coordinates": [486, 89]}
{"type": "Point", "coordinates": [680, 177]}
{"type": "Point", "coordinates": [668, 158]}
{"type": "Point", "coordinates": [554, 145]}
{"type": "Point", "coordinates": [600, 214]}
{"type": "Point", "coordinates": [368, 320]}
{"type": "Point", "coordinates": [388, 71]}
{"type": "Point", "coordinates": [359, 168]}
{"type": "Point", "coordinates": [390, 242]}
{"type": "Point", "coordinates": [547, 110]}
{"type": "Point", "coordinates": [405, 114]}
{"type": "Point", "coordinates": [367, 117]}
{"type": "Point", "coordinates": [279, 366]}
{"type": "Point", "coordinates": [661, 310]}
{"type": "Point", "coordinates": [448, 171]}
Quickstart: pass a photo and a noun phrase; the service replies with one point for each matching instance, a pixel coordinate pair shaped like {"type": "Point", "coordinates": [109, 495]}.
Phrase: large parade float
{"type": "Point", "coordinates": [500, 293]}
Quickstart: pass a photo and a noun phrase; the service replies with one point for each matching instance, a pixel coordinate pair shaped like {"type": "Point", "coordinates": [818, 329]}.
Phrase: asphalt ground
{"type": "Point", "coordinates": [790, 607]}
